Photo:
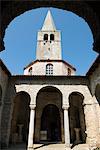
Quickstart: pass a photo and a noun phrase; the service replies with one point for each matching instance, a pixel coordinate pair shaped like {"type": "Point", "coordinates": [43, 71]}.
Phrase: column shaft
{"type": "Point", "coordinates": [66, 128]}
{"type": "Point", "coordinates": [31, 130]}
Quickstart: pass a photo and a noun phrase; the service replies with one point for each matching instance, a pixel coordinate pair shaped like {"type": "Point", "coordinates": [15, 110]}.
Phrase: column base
{"type": "Point", "coordinates": [30, 148]}
{"type": "Point", "coordinates": [67, 147]}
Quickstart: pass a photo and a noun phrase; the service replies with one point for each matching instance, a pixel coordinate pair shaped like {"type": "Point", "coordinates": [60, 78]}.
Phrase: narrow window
{"type": "Point", "coordinates": [30, 71]}
{"type": "Point", "coordinates": [45, 37]}
{"type": "Point", "coordinates": [49, 69]}
{"type": "Point", "coordinates": [69, 71]}
{"type": "Point", "coordinates": [51, 37]}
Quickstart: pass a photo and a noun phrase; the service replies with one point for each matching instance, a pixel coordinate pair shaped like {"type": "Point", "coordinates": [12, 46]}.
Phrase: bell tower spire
{"type": "Point", "coordinates": [48, 40]}
{"type": "Point", "coordinates": [49, 23]}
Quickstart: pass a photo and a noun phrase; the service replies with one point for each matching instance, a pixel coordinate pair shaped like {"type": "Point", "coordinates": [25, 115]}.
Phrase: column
{"type": "Point", "coordinates": [91, 124]}
{"type": "Point", "coordinates": [31, 128]}
{"type": "Point", "coordinates": [66, 127]}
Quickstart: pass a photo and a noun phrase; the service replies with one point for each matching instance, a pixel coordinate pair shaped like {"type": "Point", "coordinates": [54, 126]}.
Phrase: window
{"type": "Point", "coordinates": [30, 71]}
{"type": "Point", "coordinates": [49, 69]}
{"type": "Point", "coordinates": [51, 37]}
{"type": "Point", "coordinates": [69, 71]}
{"type": "Point", "coordinates": [45, 37]}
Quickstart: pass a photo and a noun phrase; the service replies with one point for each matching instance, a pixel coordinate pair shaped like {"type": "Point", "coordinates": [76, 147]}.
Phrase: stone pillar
{"type": "Point", "coordinates": [31, 128]}
{"type": "Point", "coordinates": [66, 127]}
{"type": "Point", "coordinates": [91, 124]}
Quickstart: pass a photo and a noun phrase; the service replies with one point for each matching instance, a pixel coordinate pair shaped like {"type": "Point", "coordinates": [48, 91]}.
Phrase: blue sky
{"type": "Point", "coordinates": [21, 36]}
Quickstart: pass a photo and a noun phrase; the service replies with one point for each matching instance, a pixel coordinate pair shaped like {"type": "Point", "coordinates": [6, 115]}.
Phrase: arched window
{"type": "Point", "coordinates": [69, 71]}
{"type": "Point", "coordinates": [45, 37]}
{"type": "Point", "coordinates": [30, 71]}
{"type": "Point", "coordinates": [51, 37]}
{"type": "Point", "coordinates": [49, 69]}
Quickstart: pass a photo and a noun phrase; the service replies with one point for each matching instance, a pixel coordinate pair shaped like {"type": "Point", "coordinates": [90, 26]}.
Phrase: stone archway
{"type": "Point", "coordinates": [20, 119]}
{"type": "Point", "coordinates": [77, 118]}
{"type": "Point", "coordinates": [48, 97]}
{"type": "Point", "coordinates": [84, 9]}
{"type": "Point", "coordinates": [51, 124]}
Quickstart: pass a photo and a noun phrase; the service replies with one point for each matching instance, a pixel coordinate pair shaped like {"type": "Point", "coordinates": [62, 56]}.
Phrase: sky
{"type": "Point", "coordinates": [21, 40]}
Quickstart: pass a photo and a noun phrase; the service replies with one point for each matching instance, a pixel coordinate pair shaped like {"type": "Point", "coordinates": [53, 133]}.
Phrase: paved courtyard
{"type": "Point", "coordinates": [48, 147]}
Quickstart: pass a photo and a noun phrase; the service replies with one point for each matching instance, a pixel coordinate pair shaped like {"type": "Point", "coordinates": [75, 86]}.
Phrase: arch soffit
{"type": "Point", "coordinates": [97, 87]}
{"type": "Point", "coordinates": [79, 8]}
{"type": "Point", "coordinates": [21, 93]}
{"type": "Point", "coordinates": [47, 86]}
{"type": "Point", "coordinates": [23, 88]}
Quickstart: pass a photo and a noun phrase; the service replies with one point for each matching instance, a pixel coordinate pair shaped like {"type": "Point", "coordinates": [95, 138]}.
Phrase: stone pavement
{"type": "Point", "coordinates": [49, 147]}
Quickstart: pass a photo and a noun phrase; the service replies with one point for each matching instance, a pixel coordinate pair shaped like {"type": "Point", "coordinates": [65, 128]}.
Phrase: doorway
{"type": "Point", "coordinates": [77, 118]}
{"type": "Point", "coordinates": [50, 123]}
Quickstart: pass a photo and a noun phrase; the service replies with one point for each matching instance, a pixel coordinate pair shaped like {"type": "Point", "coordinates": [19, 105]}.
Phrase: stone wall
{"type": "Point", "coordinates": [3, 85]}
{"type": "Point", "coordinates": [94, 81]}
{"type": "Point", "coordinates": [59, 68]}
{"type": "Point", "coordinates": [66, 85]}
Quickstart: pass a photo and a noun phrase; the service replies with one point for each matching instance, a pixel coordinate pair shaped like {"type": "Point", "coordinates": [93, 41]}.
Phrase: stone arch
{"type": "Point", "coordinates": [30, 71]}
{"type": "Point", "coordinates": [47, 95]}
{"type": "Point", "coordinates": [77, 118]}
{"type": "Point", "coordinates": [52, 37]}
{"type": "Point", "coordinates": [20, 118]}
{"type": "Point", "coordinates": [82, 9]}
{"type": "Point", "coordinates": [97, 93]}
{"type": "Point", "coordinates": [45, 38]}
{"type": "Point", "coordinates": [0, 95]}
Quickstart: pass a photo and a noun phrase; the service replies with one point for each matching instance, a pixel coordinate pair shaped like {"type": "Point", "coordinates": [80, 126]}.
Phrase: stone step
{"type": "Point", "coordinates": [49, 146]}
{"type": "Point", "coordinates": [81, 147]}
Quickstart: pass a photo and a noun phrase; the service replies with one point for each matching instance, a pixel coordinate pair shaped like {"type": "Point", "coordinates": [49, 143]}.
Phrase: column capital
{"type": "Point", "coordinates": [65, 107]}
{"type": "Point", "coordinates": [32, 106]}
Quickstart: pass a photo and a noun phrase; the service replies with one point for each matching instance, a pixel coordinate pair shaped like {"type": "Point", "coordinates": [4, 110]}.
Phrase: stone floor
{"type": "Point", "coordinates": [48, 147]}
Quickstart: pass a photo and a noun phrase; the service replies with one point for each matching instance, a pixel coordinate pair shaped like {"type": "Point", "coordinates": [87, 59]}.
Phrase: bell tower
{"type": "Point", "coordinates": [48, 41]}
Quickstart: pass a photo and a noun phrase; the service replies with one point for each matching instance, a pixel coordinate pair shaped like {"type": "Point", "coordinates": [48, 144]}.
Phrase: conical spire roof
{"type": "Point", "coordinates": [49, 23]}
